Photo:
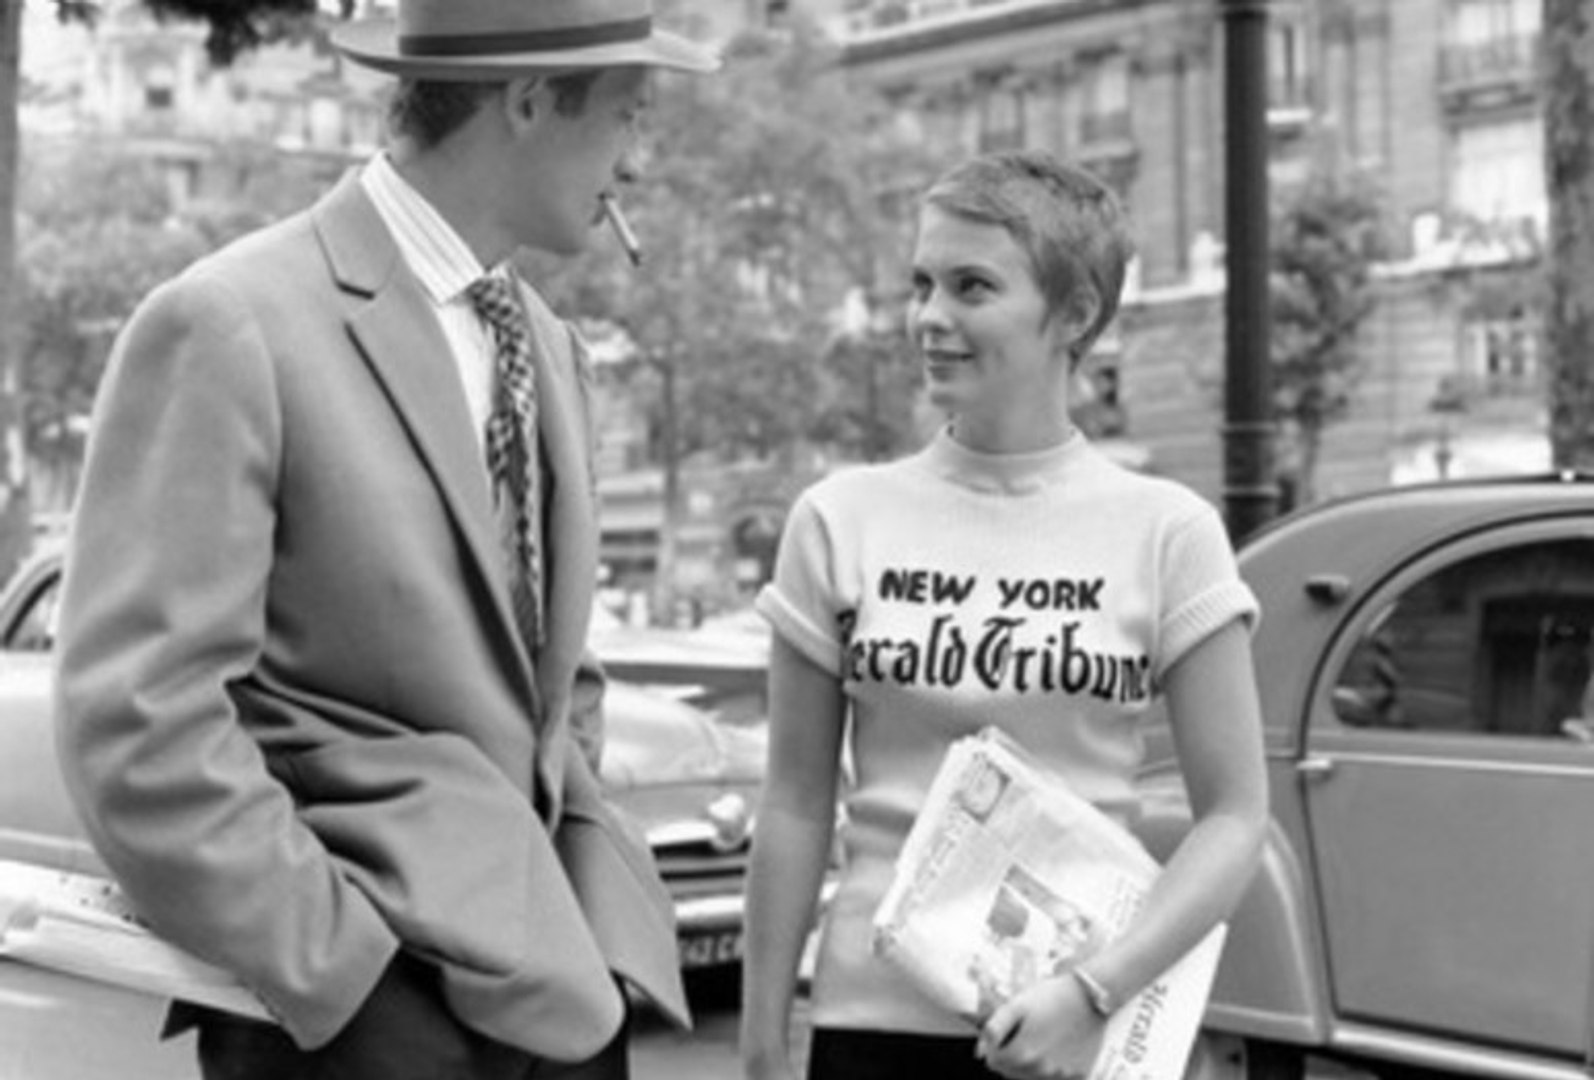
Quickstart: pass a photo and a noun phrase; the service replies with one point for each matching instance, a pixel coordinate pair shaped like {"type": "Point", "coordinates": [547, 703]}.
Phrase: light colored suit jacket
{"type": "Point", "coordinates": [295, 712]}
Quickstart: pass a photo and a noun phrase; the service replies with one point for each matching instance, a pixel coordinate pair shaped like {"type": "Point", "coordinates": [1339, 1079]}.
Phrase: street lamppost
{"type": "Point", "coordinates": [1250, 490]}
{"type": "Point", "coordinates": [1448, 403]}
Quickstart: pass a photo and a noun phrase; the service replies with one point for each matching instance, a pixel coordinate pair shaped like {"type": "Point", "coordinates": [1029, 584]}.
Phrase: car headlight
{"type": "Point", "coordinates": [732, 818]}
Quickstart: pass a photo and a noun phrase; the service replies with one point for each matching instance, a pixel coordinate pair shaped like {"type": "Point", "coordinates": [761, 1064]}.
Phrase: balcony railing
{"type": "Point", "coordinates": [1507, 60]}
{"type": "Point", "coordinates": [874, 17]}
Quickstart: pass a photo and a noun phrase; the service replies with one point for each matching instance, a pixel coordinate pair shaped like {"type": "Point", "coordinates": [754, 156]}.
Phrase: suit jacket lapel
{"type": "Point", "coordinates": [405, 347]}
{"type": "Point", "coordinates": [571, 526]}
{"type": "Point", "coordinates": [570, 531]}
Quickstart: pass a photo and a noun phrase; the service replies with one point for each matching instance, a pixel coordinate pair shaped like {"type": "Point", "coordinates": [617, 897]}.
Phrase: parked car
{"type": "Point", "coordinates": [1426, 899]}
{"type": "Point", "coordinates": [686, 776]}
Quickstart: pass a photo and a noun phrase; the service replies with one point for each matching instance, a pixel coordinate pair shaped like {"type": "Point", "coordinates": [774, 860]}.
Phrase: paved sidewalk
{"type": "Point", "coordinates": [708, 1052]}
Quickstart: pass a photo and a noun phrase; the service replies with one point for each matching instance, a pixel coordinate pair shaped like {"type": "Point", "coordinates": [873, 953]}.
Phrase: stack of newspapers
{"type": "Point", "coordinates": [1008, 877]}
{"type": "Point", "coordinates": [81, 925]}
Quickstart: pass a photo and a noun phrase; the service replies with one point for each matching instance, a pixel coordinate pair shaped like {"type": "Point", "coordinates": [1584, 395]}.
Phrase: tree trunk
{"type": "Point", "coordinates": [667, 568]}
{"type": "Point", "coordinates": [1309, 440]}
{"type": "Point", "coordinates": [1568, 84]}
{"type": "Point", "coordinates": [15, 534]}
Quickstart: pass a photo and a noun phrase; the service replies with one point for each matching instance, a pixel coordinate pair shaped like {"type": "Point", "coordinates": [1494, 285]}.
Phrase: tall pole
{"type": "Point", "coordinates": [1250, 490]}
{"type": "Point", "coordinates": [15, 535]}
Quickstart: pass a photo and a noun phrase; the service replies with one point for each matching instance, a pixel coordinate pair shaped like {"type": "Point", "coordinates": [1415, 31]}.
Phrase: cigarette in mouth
{"type": "Point", "coordinates": [622, 228]}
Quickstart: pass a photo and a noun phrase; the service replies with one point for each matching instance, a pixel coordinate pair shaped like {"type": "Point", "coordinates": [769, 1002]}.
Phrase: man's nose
{"type": "Point", "coordinates": [632, 164]}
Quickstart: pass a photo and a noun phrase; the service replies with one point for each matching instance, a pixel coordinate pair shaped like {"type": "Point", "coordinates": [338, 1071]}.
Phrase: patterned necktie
{"type": "Point", "coordinates": [512, 448]}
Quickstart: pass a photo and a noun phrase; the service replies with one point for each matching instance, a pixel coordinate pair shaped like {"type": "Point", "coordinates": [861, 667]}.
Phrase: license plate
{"type": "Point", "coordinates": [711, 950]}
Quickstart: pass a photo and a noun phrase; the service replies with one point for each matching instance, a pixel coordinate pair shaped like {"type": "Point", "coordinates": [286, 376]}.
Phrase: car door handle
{"type": "Point", "coordinates": [1315, 768]}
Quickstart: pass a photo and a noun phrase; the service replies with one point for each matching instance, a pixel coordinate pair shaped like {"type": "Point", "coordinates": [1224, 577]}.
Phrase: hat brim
{"type": "Point", "coordinates": [374, 43]}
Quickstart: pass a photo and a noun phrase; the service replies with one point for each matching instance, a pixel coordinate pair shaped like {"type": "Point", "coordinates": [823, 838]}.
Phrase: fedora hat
{"type": "Point", "coordinates": [479, 40]}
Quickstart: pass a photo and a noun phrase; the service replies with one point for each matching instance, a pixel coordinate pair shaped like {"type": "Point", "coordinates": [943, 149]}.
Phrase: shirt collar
{"type": "Point", "coordinates": [433, 250]}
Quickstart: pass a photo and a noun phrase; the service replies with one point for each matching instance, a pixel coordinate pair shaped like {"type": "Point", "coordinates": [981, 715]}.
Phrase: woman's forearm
{"type": "Point", "coordinates": [1200, 887]}
{"type": "Point", "coordinates": [787, 870]}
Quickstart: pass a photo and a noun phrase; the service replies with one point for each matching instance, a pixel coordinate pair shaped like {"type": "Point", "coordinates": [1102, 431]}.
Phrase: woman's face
{"type": "Point", "coordinates": [993, 359]}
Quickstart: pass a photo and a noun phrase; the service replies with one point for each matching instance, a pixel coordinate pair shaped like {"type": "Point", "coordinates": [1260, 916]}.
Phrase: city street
{"type": "Point", "coordinates": [706, 1053]}
{"type": "Point", "coordinates": [990, 364]}
{"type": "Point", "coordinates": [60, 1027]}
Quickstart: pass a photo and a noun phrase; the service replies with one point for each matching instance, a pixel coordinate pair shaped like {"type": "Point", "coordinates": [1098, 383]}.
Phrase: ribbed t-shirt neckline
{"type": "Point", "coordinates": [1004, 474]}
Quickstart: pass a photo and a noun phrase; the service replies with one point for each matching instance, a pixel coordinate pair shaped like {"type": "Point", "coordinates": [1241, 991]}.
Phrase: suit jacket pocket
{"type": "Point", "coordinates": [462, 868]}
{"type": "Point", "coordinates": [617, 881]}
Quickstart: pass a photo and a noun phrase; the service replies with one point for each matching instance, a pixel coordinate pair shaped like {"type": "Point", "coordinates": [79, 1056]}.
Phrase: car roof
{"type": "Point", "coordinates": [1372, 523]}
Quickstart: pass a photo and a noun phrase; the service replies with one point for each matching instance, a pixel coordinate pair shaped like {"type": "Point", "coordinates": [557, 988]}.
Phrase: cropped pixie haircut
{"type": "Point", "coordinates": [1070, 223]}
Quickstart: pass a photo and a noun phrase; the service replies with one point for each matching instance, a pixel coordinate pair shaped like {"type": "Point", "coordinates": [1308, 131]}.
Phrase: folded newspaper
{"type": "Point", "coordinates": [1008, 877]}
{"type": "Point", "coordinates": [81, 925]}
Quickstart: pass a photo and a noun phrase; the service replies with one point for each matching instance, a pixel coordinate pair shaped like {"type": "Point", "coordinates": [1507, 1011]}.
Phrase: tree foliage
{"type": "Point", "coordinates": [97, 230]}
{"type": "Point", "coordinates": [1325, 239]}
{"type": "Point", "coordinates": [769, 203]}
{"type": "Point", "coordinates": [1568, 88]}
{"type": "Point", "coordinates": [237, 26]}
{"type": "Point", "coordinates": [94, 235]}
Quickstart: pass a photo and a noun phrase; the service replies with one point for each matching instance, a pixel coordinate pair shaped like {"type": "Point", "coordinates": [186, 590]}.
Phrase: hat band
{"type": "Point", "coordinates": [530, 41]}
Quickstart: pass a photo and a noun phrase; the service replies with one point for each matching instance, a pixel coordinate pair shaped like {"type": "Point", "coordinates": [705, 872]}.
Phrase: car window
{"type": "Point", "coordinates": [1498, 643]}
{"type": "Point", "coordinates": [33, 629]}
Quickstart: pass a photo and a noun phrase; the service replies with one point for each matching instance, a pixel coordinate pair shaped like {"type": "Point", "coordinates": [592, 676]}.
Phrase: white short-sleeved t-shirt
{"type": "Point", "coordinates": [1046, 594]}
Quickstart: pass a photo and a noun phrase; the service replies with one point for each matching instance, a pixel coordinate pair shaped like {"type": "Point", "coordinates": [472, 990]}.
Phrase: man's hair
{"type": "Point", "coordinates": [429, 111]}
{"type": "Point", "coordinates": [1069, 223]}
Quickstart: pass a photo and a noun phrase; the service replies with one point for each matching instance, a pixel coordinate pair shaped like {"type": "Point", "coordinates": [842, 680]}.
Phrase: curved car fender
{"type": "Point", "coordinates": [1269, 984]}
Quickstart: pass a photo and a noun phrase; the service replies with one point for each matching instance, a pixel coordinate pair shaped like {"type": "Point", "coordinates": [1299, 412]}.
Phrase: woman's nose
{"type": "Point", "coordinates": [926, 312]}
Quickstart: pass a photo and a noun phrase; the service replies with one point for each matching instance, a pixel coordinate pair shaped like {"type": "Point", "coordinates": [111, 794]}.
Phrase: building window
{"type": "Point", "coordinates": [1103, 416]}
{"type": "Point", "coordinates": [1001, 115]}
{"type": "Point", "coordinates": [160, 89]}
{"type": "Point", "coordinates": [1489, 40]}
{"type": "Point", "coordinates": [1289, 85]}
{"type": "Point", "coordinates": [1502, 354]}
{"type": "Point", "coordinates": [1480, 22]}
{"type": "Point", "coordinates": [1104, 100]}
{"type": "Point", "coordinates": [1498, 173]}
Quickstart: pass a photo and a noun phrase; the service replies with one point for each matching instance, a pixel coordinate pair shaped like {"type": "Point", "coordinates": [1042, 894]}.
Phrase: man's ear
{"type": "Point", "coordinates": [525, 99]}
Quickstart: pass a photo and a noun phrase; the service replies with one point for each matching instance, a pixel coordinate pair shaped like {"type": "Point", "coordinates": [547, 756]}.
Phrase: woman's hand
{"type": "Point", "coordinates": [1048, 1032]}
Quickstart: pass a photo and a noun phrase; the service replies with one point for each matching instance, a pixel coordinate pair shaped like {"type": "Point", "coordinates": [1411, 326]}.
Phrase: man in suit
{"type": "Point", "coordinates": [323, 688]}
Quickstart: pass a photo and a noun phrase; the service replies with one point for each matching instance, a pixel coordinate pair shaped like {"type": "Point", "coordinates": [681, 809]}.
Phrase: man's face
{"type": "Point", "coordinates": [569, 159]}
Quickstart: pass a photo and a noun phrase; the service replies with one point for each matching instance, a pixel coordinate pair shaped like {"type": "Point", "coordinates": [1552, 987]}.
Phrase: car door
{"type": "Point", "coordinates": [1449, 788]}
{"type": "Point", "coordinates": [37, 822]}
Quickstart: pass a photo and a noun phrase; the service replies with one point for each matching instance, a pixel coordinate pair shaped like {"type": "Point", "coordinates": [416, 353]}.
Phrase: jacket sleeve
{"type": "Point", "coordinates": [164, 607]}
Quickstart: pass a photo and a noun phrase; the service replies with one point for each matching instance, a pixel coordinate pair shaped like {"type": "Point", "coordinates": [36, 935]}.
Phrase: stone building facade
{"type": "Point", "coordinates": [1435, 100]}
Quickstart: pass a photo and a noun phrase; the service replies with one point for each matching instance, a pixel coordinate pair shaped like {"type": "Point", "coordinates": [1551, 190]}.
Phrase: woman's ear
{"type": "Point", "coordinates": [1076, 320]}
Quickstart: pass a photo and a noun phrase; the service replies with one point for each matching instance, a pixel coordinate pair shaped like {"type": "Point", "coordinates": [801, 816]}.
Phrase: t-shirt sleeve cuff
{"type": "Point", "coordinates": [798, 631]}
{"type": "Point", "coordinates": [1203, 616]}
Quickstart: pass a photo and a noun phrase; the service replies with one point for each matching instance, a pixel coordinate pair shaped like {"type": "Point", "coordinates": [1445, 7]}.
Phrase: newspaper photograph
{"type": "Point", "coordinates": [81, 925]}
{"type": "Point", "coordinates": [1008, 877]}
